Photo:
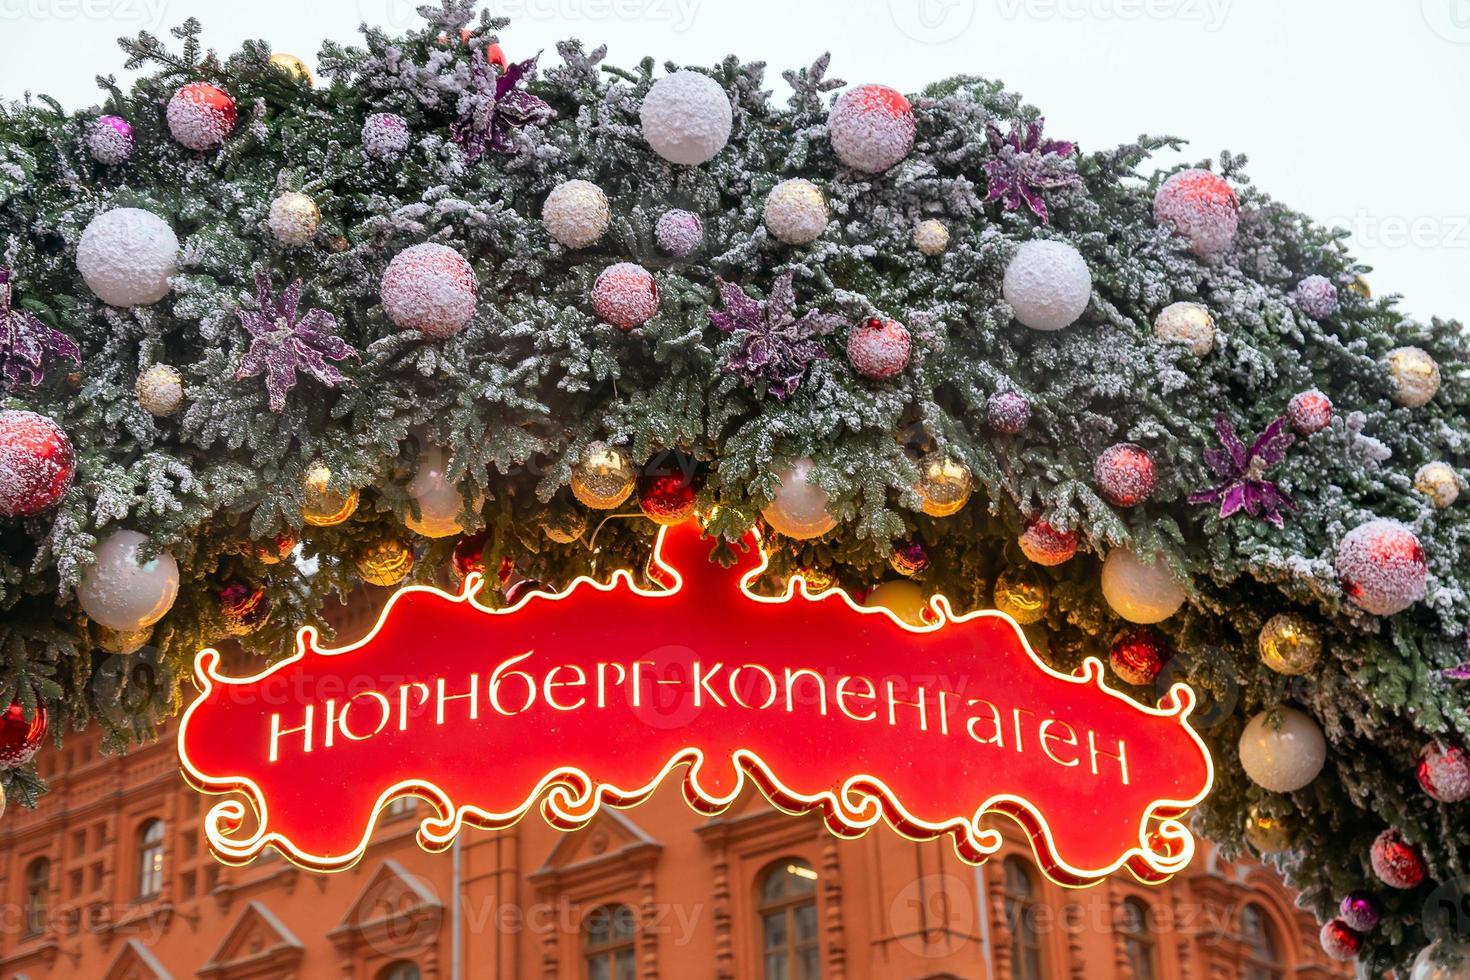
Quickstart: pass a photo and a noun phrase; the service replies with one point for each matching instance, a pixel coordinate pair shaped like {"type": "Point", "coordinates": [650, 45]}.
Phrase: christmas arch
{"type": "Point", "coordinates": [266, 337]}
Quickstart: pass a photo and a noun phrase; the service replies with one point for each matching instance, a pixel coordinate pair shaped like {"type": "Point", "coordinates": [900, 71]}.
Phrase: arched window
{"type": "Point", "coordinates": [611, 945]}
{"type": "Point", "coordinates": [788, 910]}
{"type": "Point", "coordinates": [37, 895]}
{"type": "Point", "coordinates": [150, 859]}
{"type": "Point", "coordinates": [1021, 903]}
{"type": "Point", "coordinates": [402, 970]}
{"type": "Point", "coordinates": [1139, 939]}
{"type": "Point", "coordinates": [1263, 946]}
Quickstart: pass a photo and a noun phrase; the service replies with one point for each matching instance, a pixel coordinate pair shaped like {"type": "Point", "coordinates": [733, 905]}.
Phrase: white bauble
{"type": "Point", "coordinates": [796, 211]}
{"type": "Point", "coordinates": [294, 218]}
{"type": "Point", "coordinates": [1140, 592]}
{"type": "Point", "coordinates": [1047, 284]}
{"type": "Point", "coordinates": [576, 213]}
{"type": "Point", "coordinates": [126, 256]}
{"type": "Point", "coordinates": [686, 117]}
{"type": "Point", "coordinates": [1444, 959]}
{"type": "Point", "coordinates": [122, 593]}
{"type": "Point", "coordinates": [439, 500]}
{"type": "Point", "coordinates": [1282, 759]}
{"type": "Point", "coordinates": [800, 508]}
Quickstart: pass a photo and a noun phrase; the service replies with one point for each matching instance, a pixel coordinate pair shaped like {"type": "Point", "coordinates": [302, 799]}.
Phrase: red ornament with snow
{"type": "Point", "coordinates": [37, 463]}
{"type": "Point", "coordinates": [872, 127]}
{"type": "Point", "coordinates": [1396, 862]}
{"type": "Point", "coordinates": [1309, 411]}
{"type": "Point", "coordinates": [20, 739]}
{"type": "Point", "coordinates": [429, 288]}
{"type": "Point", "coordinates": [1045, 545]}
{"type": "Point", "coordinates": [625, 295]}
{"type": "Point", "coordinates": [879, 349]}
{"type": "Point", "coordinates": [1444, 772]}
{"type": "Point", "coordinates": [1201, 206]}
{"type": "Point", "coordinates": [666, 498]}
{"type": "Point", "coordinates": [1125, 474]}
{"type": "Point", "coordinates": [201, 115]}
{"type": "Point", "coordinates": [1341, 941]}
{"type": "Point", "coordinates": [1138, 654]}
{"type": "Point", "coordinates": [1381, 567]}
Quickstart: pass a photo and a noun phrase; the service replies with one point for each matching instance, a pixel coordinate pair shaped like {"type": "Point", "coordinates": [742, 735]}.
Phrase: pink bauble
{"type": "Point", "coordinates": [1444, 772]}
{"type": "Point", "coordinates": [384, 135]}
{"type": "Point", "coordinates": [1045, 545]}
{"type": "Point", "coordinates": [878, 348]}
{"type": "Point", "coordinates": [625, 295]}
{"type": "Point", "coordinates": [429, 288]}
{"type": "Point", "coordinates": [1341, 941]}
{"type": "Point", "coordinates": [110, 140]}
{"type": "Point", "coordinates": [1396, 862]}
{"type": "Point", "coordinates": [1007, 412]}
{"type": "Point", "coordinates": [37, 463]}
{"type": "Point", "coordinates": [872, 128]}
{"type": "Point", "coordinates": [1200, 206]}
{"type": "Point", "coordinates": [1309, 411]}
{"type": "Point", "coordinates": [1381, 567]}
{"type": "Point", "coordinates": [201, 115]}
{"type": "Point", "coordinates": [1125, 474]}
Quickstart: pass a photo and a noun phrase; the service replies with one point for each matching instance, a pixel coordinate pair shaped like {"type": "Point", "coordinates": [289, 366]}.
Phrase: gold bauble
{"type": "Point", "coordinates": [322, 506]}
{"type": "Point", "coordinates": [386, 562]}
{"type": "Point", "coordinates": [931, 237]}
{"type": "Point", "coordinates": [1290, 644]}
{"type": "Point", "coordinates": [817, 579]}
{"type": "Point", "coordinates": [1438, 482]}
{"type": "Point", "coordinates": [273, 551]}
{"type": "Point", "coordinates": [944, 484]}
{"type": "Point", "coordinates": [904, 599]}
{"type": "Point", "coordinates": [1360, 286]}
{"type": "Point", "coordinates": [1268, 835]}
{"type": "Point", "coordinates": [122, 641]}
{"type": "Point", "coordinates": [1415, 376]}
{"type": "Point", "coordinates": [1022, 594]}
{"type": "Point", "coordinates": [293, 66]}
{"type": "Point", "coordinates": [564, 525]}
{"type": "Point", "coordinates": [160, 390]}
{"type": "Point", "coordinates": [604, 477]}
{"type": "Point", "coordinates": [294, 218]}
{"type": "Point", "coordinates": [1188, 324]}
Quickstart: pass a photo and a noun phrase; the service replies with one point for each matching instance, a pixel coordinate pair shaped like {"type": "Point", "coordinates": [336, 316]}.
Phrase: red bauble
{"type": "Point", "coordinates": [496, 56]}
{"type": "Point", "coordinates": [1125, 474]}
{"type": "Point", "coordinates": [625, 295]}
{"type": "Point", "coordinates": [245, 607]}
{"type": "Point", "coordinates": [1200, 206]}
{"type": "Point", "coordinates": [1045, 545]}
{"type": "Point", "coordinates": [20, 739]}
{"type": "Point", "coordinates": [1444, 772]}
{"type": "Point", "coordinates": [666, 498]}
{"type": "Point", "coordinates": [469, 555]}
{"type": "Point", "coordinates": [37, 463]}
{"type": "Point", "coordinates": [1309, 411]}
{"type": "Point", "coordinates": [879, 349]}
{"type": "Point", "coordinates": [1396, 862]}
{"type": "Point", "coordinates": [273, 551]}
{"type": "Point", "coordinates": [1340, 941]}
{"type": "Point", "coordinates": [1139, 654]}
{"type": "Point", "coordinates": [201, 115]}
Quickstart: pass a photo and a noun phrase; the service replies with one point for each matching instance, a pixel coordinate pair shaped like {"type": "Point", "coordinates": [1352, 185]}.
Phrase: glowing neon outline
{"type": "Point", "coordinates": [570, 798]}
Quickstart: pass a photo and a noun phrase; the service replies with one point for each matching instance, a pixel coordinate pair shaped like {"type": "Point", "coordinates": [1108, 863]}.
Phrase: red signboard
{"type": "Point", "coordinates": [595, 696]}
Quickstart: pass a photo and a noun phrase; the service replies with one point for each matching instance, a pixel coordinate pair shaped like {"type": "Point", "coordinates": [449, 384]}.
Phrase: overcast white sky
{"type": "Point", "coordinates": [1351, 110]}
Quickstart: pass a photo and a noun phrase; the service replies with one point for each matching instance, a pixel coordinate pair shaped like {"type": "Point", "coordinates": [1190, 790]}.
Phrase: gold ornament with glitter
{"type": "Point", "coordinates": [944, 484]}
{"type": "Point", "coordinates": [1438, 482]}
{"type": "Point", "coordinates": [1414, 374]}
{"type": "Point", "coordinates": [931, 237]}
{"type": "Point", "coordinates": [1188, 324]}
{"type": "Point", "coordinates": [160, 390]}
{"type": "Point", "coordinates": [1267, 834]}
{"type": "Point", "coordinates": [1022, 594]}
{"type": "Point", "coordinates": [294, 218]}
{"type": "Point", "coordinates": [604, 477]}
{"type": "Point", "coordinates": [321, 505]}
{"type": "Point", "coordinates": [385, 562]}
{"type": "Point", "coordinates": [1290, 644]}
{"type": "Point", "coordinates": [564, 524]}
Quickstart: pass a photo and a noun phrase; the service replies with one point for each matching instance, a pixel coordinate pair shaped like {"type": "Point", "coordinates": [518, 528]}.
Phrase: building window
{"type": "Point", "coordinates": [150, 859]}
{"type": "Point", "coordinates": [788, 910]}
{"type": "Point", "coordinates": [1021, 907]}
{"type": "Point", "coordinates": [402, 970]}
{"type": "Point", "coordinates": [1138, 939]}
{"type": "Point", "coordinates": [611, 946]}
{"type": "Point", "coordinates": [1263, 947]}
{"type": "Point", "coordinates": [400, 808]}
{"type": "Point", "coordinates": [37, 895]}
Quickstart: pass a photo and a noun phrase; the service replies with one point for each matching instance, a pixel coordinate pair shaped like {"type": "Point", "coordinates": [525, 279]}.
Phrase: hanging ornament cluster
{"type": "Point", "coordinates": [21, 737]}
{"type": "Point", "coordinates": [1045, 545]}
{"type": "Point", "coordinates": [795, 211]}
{"type": "Point", "coordinates": [944, 484]}
{"type": "Point", "coordinates": [283, 343]}
{"type": "Point", "coordinates": [931, 237]}
{"type": "Point", "coordinates": [1381, 567]}
{"type": "Point", "coordinates": [294, 218]}
{"type": "Point", "coordinates": [1444, 772]}
{"type": "Point", "coordinates": [1282, 752]}
{"type": "Point", "coordinates": [1396, 862]}
{"type": "Point", "coordinates": [160, 390]}
{"type": "Point", "coordinates": [110, 140]}
{"type": "Point", "coordinates": [625, 295]}
{"type": "Point", "coordinates": [1138, 591]}
{"type": "Point", "coordinates": [201, 115]}
{"type": "Point", "coordinates": [774, 346]}
{"type": "Point", "coordinates": [126, 257]}
{"type": "Point", "coordinates": [679, 233]}
{"type": "Point", "coordinates": [1309, 412]}
{"type": "Point", "coordinates": [123, 591]}
{"type": "Point", "coordinates": [1138, 655]}
{"type": "Point", "coordinates": [604, 477]}
{"type": "Point", "coordinates": [1188, 324]}
{"type": "Point", "coordinates": [686, 117]}
{"type": "Point", "coordinates": [1201, 207]}
{"type": "Point", "coordinates": [244, 607]}
{"type": "Point", "coordinates": [576, 213]}
{"type": "Point", "coordinates": [871, 128]}
{"type": "Point", "coordinates": [430, 288]}
{"type": "Point", "coordinates": [1047, 284]}
{"type": "Point", "coordinates": [878, 348]}
{"type": "Point", "coordinates": [799, 508]}
{"type": "Point", "coordinates": [37, 463]}
{"type": "Point", "coordinates": [1290, 644]}
{"type": "Point", "coordinates": [322, 505]}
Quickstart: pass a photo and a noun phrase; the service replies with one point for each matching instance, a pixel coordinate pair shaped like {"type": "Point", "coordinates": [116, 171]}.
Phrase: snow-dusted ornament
{"type": "Point", "coordinates": [284, 342]}
{"type": "Point", "coordinates": [37, 463]}
{"type": "Point", "coordinates": [1007, 412]}
{"type": "Point", "coordinates": [625, 295]}
{"type": "Point", "coordinates": [1189, 324]}
{"type": "Point", "coordinates": [1414, 374]}
{"type": "Point", "coordinates": [1444, 772]}
{"type": "Point", "coordinates": [1438, 482]}
{"type": "Point", "coordinates": [1202, 207]}
{"type": "Point", "coordinates": [430, 288]}
{"type": "Point", "coordinates": [127, 255]}
{"type": "Point", "coordinates": [871, 127]}
{"type": "Point", "coordinates": [878, 348]}
{"type": "Point", "coordinates": [1400, 864]}
{"type": "Point", "coordinates": [686, 117]}
{"type": "Point", "coordinates": [931, 236]}
{"type": "Point", "coordinates": [294, 218]}
{"type": "Point", "coordinates": [201, 115]}
{"type": "Point", "coordinates": [438, 499]}
{"type": "Point", "coordinates": [1282, 753]}
{"type": "Point", "coordinates": [799, 509]}
{"type": "Point", "coordinates": [1444, 959]}
{"type": "Point", "coordinates": [1045, 545]}
{"type": "Point", "coordinates": [124, 592]}
{"type": "Point", "coordinates": [160, 390]}
{"type": "Point", "coordinates": [1047, 284]}
{"type": "Point", "coordinates": [1381, 567]}
{"type": "Point", "coordinates": [110, 140]}
{"type": "Point", "coordinates": [1138, 591]}
{"type": "Point", "coordinates": [1125, 474]}
{"type": "Point", "coordinates": [1316, 296]}
{"type": "Point", "coordinates": [1309, 411]}
{"type": "Point", "coordinates": [679, 233]}
{"type": "Point", "coordinates": [796, 211]}
{"type": "Point", "coordinates": [576, 213]}
{"type": "Point", "coordinates": [385, 135]}
{"type": "Point", "coordinates": [27, 344]}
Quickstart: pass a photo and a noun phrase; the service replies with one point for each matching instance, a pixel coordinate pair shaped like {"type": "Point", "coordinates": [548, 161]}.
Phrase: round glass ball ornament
{"type": "Point", "coordinates": [1397, 863]}
{"type": "Point", "coordinates": [931, 236]}
{"type": "Point", "coordinates": [686, 117]}
{"type": "Point", "coordinates": [795, 211]}
{"type": "Point", "coordinates": [1316, 296]}
{"type": "Point", "coordinates": [1046, 545]}
{"type": "Point", "coordinates": [160, 390]}
{"type": "Point", "coordinates": [201, 115]}
{"type": "Point", "coordinates": [576, 213]}
{"type": "Point", "coordinates": [1282, 753]}
{"type": "Point", "coordinates": [385, 562]}
{"type": "Point", "coordinates": [126, 257]}
{"type": "Point", "coordinates": [1438, 482]}
{"type": "Point", "coordinates": [1340, 941]}
{"type": "Point", "coordinates": [124, 592]}
{"type": "Point", "coordinates": [21, 737]}
{"type": "Point", "coordinates": [625, 295]}
{"type": "Point", "coordinates": [904, 599]}
{"type": "Point", "coordinates": [110, 140]}
{"type": "Point", "coordinates": [243, 606]}
{"type": "Point", "coordinates": [37, 463]}
{"type": "Point", "coordinates": [293, 67]}
{"type": "Point", "coordinates": [294, 218]}
{"type": "Point", "coordinates": [1189, 324]}
{"type": "Point", "coordinates": [321, 504]}
{"type": "Point", "coordinates": [1414, 376]}
{"type": "Point", "coordinates": [564, 524]}
{"type": "Point", "coordinates": [944, 486]}
{"type": "Point", "coordinates": [1267, 834]}
{"type": "Point", "coordinates": [430, 288]}
{"type": "Point", "coordinates": [1201, 207]}
{"type": "Point", "coordinates": [799, 508]}
{"type": "Point", "coordinates": [666, 498]}
{"type": "Point", "coordinates": [1381, 567]}
{"type": "Point", "coordinates": [679, 233]}
{"type": "Point", "coordinates": [871, 128]}
{"type": "Point", "coordinates": [385, 135]}
{"type": "Point", "coordinates": [1290, 644]}
{"type": "Point", "coordinates": [909, 558]}
{"type": "Point", "coordinates": [438, 498]}
{"type": "Point", "coordinates": [1444, 772]}
{"type": "Point", "coordinates": [1125, 474]}
{"type": "Point", "coordinates": [1361, 911]}
{"type": "Point", "coordinates": [879, 348]}
{"type": "Point", "coordinates": [604, 477]}
{"type": "Point", "coordinates": [1443, 959]}
{"type": "Point", "coordinates": [1047, 284]}
{"type": "Point", "coordinates": [1138, 591]}
{"type": "Point", "coordinates": [1007, 412]}
{"type": "Point", "coordinates": [1309, 411]}
{"type": "Point", "coordinates": [1022, 594]}
{"type": "Point", "coordinates": [1138, 654]}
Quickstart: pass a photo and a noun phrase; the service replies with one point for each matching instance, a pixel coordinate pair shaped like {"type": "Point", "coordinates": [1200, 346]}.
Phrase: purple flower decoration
{"type": "Point", "coordinates": [27, 346]}
{"type": "Point", "coordinates": [493, 105]}
{"type": "Point", "coordinates": [281, 344]}
{"type": "Point", "coordinates": [774, 346]}
{"type": "Point", "coordinates": [1244, 470]}
{"type": "Point", "coordinates": [1024, 164]}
